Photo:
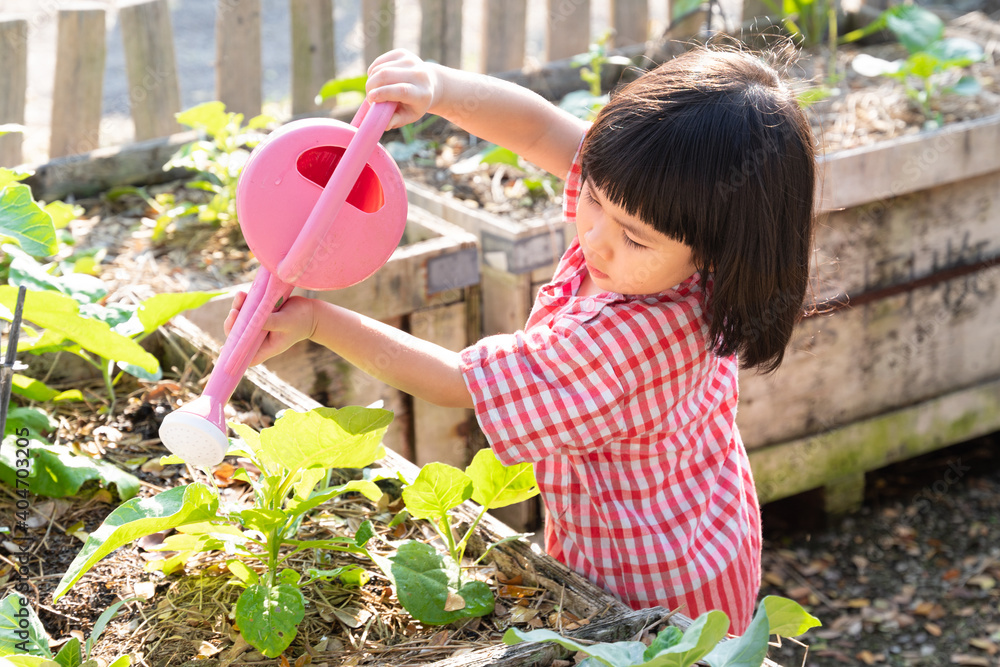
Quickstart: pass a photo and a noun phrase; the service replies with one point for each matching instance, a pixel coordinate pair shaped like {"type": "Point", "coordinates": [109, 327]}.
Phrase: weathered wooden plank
{"type": "Point", "coordinates": [802, 464]}
{"type": "Point", "coordinates": [441, 434]}
{"type": "Point", "coordinates": [567, 32]}
{"type": "Point", "coordinates": [630, 20]}
{"type": "Point", "coordinates": [238, 69]}
{"type": "Point", "coordinates": [151, 66]}
{"type": "Point", "coordinates": [378, 23]}
{"type": "Point", "coordinates": [441, 31]}
{"type": "Point", "coordinates": [79, 80]}
{"type": "Point", "coordinates": [885, 170]}
{"type": "Point", "coordinates": [506, 300]}
{"type": "Point", "coordinates": [90, 173]}
{"type": "Point", "coordinates": [503, 35]}
{"type": "Point", "coordinates": [862, 361]}
{"type": "Point", "coordinates": [907, 238]}
{"type": "Point", "coordinates": [313, 54]}
{"type": "Point", "coordinates": [13, 86]}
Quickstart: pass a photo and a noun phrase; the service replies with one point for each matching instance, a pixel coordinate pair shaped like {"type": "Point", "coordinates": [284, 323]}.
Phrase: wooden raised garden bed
{"type": "Point", "coordinates": [907, 359]}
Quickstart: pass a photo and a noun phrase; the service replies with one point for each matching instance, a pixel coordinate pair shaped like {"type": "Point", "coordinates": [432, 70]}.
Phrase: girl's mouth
{"type": "Point", "coordinates": [600, 275]}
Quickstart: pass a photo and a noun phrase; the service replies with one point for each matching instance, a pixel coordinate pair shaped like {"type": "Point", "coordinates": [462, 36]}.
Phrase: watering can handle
{"type": "Point", "coordinates": [371, 123]}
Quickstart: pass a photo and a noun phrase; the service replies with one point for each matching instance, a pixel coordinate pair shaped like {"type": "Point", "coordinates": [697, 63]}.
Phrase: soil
{"type": "Point", "coordinates": [912, 579]}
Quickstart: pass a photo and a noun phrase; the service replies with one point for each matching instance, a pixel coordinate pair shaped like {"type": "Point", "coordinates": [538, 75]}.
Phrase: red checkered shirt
{"type": "Point", "coordinates": [629, 419]}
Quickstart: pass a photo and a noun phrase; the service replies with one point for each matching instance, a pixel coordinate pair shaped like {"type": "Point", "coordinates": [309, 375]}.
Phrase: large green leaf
{"type": "Point", "coordinates": [269, 615]}
{"type": "Point", "coordinates": [17, 617]}
{"type": "Point", "coordinates": [60, 313]}
{"type": "Point", "coordinates": [334, 87]}
{"type": "Point", "coordinates": [616, 654]}
{"type": "Point", "coordinates": [29, 661]}
{"type": "Point", "coordinates": [426, 581]}
{"type": "Point", "coordinates": [699, 639]}
{"type": "Point", "coordinates": [157, 310]}
{"type": "Point", "coordinates": [25, 222]}
{"type": "Point", "coordinates": [787, 618]}
{"type": "Point", "coordinates": [496, 485]}
{"type": "Point", "coordinates": [438, 488]}
{"type": "Point", "coordinates": [140, 517]}
{"type": "Point", "coordinates": [916, 28]}
{"type": "Point", "coordinates": [775, 616]}
{"type": "Point", "coordinates": [365, 487]}
{"type": "Point", "coordinates": [71, 654]}
{"type": "Point", "coordinates": [33, 419]}
{"type": "Point", "coordinates": [56, 472]}
{"type": "Point", "coordinates": [210, 117]}
{"type": "Point", "coordinates": [350, 437]}
{"type": "Point", "coordinates": [34, 390]}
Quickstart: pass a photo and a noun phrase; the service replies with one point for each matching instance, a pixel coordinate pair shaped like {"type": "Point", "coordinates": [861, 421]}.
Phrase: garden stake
{"type": "Point", "coordinates": [7, 369]}
{"type": "Point", "coordinates": [322, 206]}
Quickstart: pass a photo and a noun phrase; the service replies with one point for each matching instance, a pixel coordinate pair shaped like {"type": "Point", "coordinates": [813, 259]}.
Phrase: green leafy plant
{"type": "Point", "coordinates": [702, 641]}
{"type": "Point", "coordinates": [930, 70]}
{"type": "Point", "coordinates": [56, 471]}
{"type": "Point", "coordinates": [25, 643]}
{"type": "Point", "coordinates": [293, 457]}
{"type": "Point", "coordinates": [218, 160]}
{"type": "Point", "coordinates": [334, 87]}
{"type": "Point", "coordinates": [543, 185]}
{"type": "Point", "coordinates": [809, 22]}
{"type": "Point", "coordinates": [430, 584]}
{"type": "Point", "coordinates": [67, 302]}
{"type": "Point", "coordinates": [586, 103]}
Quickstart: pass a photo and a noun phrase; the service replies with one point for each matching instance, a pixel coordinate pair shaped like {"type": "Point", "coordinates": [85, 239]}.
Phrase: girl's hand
{"type": "Point", "coordinates": [402, 77]}
{"type": "Point", "coordinates": [294, 321]}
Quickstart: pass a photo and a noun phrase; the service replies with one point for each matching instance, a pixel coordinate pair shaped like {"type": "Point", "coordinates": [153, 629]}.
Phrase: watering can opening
{"type": "Point", "coordinates": [318, 164]}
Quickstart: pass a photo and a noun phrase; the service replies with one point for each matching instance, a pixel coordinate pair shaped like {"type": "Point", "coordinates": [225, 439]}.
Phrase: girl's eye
{"type": "Point", "coordinates": [630, 243]}
{"type": "Point", "coordinates": [589, 197]}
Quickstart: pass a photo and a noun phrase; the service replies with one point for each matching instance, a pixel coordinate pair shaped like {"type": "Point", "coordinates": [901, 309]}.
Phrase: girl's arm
{"type": "Point", "coordinates": [418, 367]}
{"type": "Point", "coordinates": [493, 109]}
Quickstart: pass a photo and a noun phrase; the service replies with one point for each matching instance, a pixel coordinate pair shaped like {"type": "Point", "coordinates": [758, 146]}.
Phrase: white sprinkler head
{"type": "Point", "coordinates": [194, 438]}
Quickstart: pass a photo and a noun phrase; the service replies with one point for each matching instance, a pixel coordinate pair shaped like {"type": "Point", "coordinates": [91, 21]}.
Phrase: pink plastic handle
{"type": "Point", "coordinates": [371, 124]}
{"type": "Point", "coordinates": [266, 295]}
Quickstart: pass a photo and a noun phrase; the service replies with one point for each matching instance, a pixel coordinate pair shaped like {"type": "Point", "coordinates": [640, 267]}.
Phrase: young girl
{"type": "Point", "coordinates": [692, 198]}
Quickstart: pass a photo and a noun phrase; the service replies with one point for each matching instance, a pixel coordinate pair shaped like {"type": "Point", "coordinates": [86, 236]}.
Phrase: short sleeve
{"type": "Point", "coordinates": [543, 390]}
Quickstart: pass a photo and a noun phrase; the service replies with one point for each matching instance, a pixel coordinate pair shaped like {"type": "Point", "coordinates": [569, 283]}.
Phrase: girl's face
{"type": "Point", "coordinates": [624, 254]}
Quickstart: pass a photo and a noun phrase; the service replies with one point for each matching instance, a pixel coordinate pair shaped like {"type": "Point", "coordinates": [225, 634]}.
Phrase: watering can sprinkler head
{"type": "Point", "coordinates": [322, 206]}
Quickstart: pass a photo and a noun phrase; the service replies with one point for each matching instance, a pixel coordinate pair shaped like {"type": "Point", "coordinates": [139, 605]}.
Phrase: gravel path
{"type": "Point", "coordinates": [909, 580]}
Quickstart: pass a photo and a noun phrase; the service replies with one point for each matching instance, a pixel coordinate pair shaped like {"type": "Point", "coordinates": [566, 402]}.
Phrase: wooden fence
{"type": "Point", "coordinates": [151, 63]}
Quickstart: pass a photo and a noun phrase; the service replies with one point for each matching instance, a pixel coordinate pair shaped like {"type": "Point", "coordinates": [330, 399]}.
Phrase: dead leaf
{"type": "Point", "coordinates": [454, 602]}
{"type": "Point", "coordinates": [933, 629]}
{"type": "Point", "coordinates": [439, 638]}
{"type": "Point", "coordinates": [973, 660]}
{"type": "Point", "coordinates": [144, 590]}
{"type": "Point", "coordinates": [859, 603]}
{"type": "Point", "coordinates": [511, 591]}
{"type": "Point", "coordinates": [985, 645]}
{"type": "Point", "coordinates": [522, 614]}
{"type": "Point", "coordinates": [951, 574]}
{"type": "Point", "coordinates": [984, 581]}
{"type": "Point", "coordinates": [207, 650]}
{"type": "Point", "coordinates": [152, 466]}
{"type": "Point", "coordinates": [283, 661]}
{"type": "Point", "coordinates": [870, 658]}
{"type": "Point", "coordinates": [352, 617]}
{"type": "Point", "coordinates": [774, 579]}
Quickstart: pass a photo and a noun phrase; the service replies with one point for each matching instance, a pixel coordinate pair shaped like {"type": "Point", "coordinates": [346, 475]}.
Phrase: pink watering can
{"type": "Point", "coordinates": [322, 206]}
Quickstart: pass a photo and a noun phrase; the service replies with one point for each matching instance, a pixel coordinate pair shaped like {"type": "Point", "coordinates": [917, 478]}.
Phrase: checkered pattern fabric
{"type": "Point", "coordinates": [629, 419]}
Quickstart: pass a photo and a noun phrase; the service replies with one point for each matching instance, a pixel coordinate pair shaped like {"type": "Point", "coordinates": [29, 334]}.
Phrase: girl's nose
{"type": "Point", "coordinates": [597, 237]}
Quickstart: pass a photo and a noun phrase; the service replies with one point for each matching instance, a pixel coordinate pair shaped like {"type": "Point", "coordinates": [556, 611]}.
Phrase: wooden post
{"type": "Point", "coordinates": [378, 23]}
{"type": "Point", "coordinates": [441, 434]}
{"type": "Point", "coordinates": [441, 31]}
{"type": "Point", "coordinates": [313, 58]}
{"type": "Point", "coordinates": [504, 28]}
{"type": "Point", "coordinates": [237, 54]}
{"type": "Point", "coordinates": [13, 86]}
{"type": "Point", "coordinates": [79, 81]}
{"type": "Point", "coordinates": [630, 19]}
{"type": "Point", "coordinates": [568, 29]}
{"type": "Point", "coordinates": [154, 91]}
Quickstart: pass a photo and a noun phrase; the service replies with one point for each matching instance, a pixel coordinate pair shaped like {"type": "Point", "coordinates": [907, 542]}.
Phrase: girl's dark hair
{"type": "Point", "coordinates": [713, 150]}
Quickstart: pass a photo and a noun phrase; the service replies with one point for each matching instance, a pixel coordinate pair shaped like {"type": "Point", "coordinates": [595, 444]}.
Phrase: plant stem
{"type": "Point", "coordinates": [106, 372]}
{"type": "Point", "coordinates": [465, 540]}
